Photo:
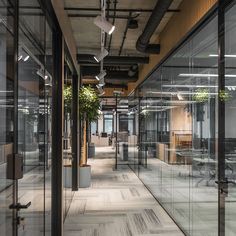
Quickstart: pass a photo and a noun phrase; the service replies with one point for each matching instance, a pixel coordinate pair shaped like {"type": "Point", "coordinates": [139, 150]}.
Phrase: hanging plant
{"type": "Point", "coordinates": [89, 104]}
{"type": "Point", "coordinates": [67, 93]}
{"type": "Point", "coordinates": [201, 95]}
{"type": "Point", "coordinates": [224, 96]}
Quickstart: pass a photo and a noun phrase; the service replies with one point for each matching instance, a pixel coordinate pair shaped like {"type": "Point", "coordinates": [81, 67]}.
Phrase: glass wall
{"type": "Point", "coordinates": [229, 96]}
{"type": "Point", "coordinates": [6, 111]}
{"type": "Point", "coordinates": [67, 149]}
{"type": "Point", "coordinates": [177, 133]}
{"type": "Point", "coordinates": [34, 99]}
{"type": "Point", "coordinates": [108, 123]}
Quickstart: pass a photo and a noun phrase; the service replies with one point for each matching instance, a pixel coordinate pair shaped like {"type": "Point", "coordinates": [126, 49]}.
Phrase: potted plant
{"type": "Point", "coordinates": [89, 106]}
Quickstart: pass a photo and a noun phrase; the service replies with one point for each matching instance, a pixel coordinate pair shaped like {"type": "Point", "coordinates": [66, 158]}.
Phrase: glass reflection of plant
{"type": "Point", "coordinates": [67, 92]}
{"type": "Point", "coordinates": [201, 95]}
{"type": "Point", "coordinates": [224, 96]}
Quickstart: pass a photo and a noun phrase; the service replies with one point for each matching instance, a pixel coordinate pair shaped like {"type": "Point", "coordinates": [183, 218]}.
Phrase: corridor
{"type": "Point", "coordinates": [113, 206]}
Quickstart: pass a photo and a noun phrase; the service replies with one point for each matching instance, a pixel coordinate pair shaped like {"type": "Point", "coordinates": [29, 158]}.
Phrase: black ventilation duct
{"type": "Point", "coordinates": [159, 11]}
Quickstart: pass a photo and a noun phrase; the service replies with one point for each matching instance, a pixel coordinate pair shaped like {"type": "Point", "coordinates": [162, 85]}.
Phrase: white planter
{"type": "Point", "coordinates": [67, 176]}
{"type": "Point", "coordinates": [84, 176]}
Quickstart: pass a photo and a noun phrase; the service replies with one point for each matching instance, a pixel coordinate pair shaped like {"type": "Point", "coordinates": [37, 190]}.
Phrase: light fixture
{"type": "Point", "coordinates": [23, 55]}
{"type": "Point", "coordinates": [26, 58]}
{"type": "Point", "coordinates": [101, 82]}
{"type": "Point", "coordinates": [179, 96]}
{"type": "Point", "coordinates": [205, 75]}
{"type": "Point", "coordinates": [101, 55]}
{"type": "Point", "coordinates": [187, 86]}
{"type": "Point", "coordinates": [227, 55]}
{"type": "Point", "coordinates": [101, 75]}
{"type": "Point", "coordinates": [40, 72]}
{"type": "Point", "coordinates": [101, 91]}
{"type": "Point", "coordinates": [103, 24]}
{"type": "Point", "coordinates": [20, 57]}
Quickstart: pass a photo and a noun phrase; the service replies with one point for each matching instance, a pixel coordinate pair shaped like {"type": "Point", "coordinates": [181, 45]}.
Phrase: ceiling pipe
{"type": "Point", "coordinates": [112, 76]}
{"type": "Point", "coordinates": [125, 33]}
{"type": "Point", "coordinates": [154, 20]}
{"type": "Point", "coordinates": [112, 60]}
{"type": "Point", "coordinates": [117, 10]}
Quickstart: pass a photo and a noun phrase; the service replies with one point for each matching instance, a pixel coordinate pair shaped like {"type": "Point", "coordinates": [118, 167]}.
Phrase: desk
{"type": "Point", "coordinates": [208, 166]}
{"type": "Point", "coordinates": [100, 141]}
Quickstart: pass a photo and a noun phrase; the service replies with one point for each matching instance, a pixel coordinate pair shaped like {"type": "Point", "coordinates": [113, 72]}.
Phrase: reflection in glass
{"type": "Point", "coordinates": [177, 133]}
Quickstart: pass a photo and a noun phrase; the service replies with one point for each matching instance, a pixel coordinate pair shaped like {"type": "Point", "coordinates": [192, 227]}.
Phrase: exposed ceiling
{"type": "Point", "coordinates": [88, 36]}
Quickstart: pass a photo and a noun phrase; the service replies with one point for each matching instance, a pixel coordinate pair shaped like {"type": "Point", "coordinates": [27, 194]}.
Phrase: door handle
{"type": "Point", "coordinates": [18, 206]}
{"type": "Point", "coordinates": [224, 186]}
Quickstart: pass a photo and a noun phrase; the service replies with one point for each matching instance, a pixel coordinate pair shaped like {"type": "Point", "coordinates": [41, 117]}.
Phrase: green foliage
{"type": "Point", "coordinates": [67, 93]}
{"type": "Point", "coordinates": [89, 104]}
{"type": "Point", "coordinates": [224, 96]}
{"type": "Point", "coordinates": [201, 95]}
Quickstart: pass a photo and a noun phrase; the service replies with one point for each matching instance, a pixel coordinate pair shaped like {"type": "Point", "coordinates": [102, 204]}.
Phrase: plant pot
{"type": "Point", "coordinates": [84, 176]}
{"type": "Point", "coordinates": [67, 176]}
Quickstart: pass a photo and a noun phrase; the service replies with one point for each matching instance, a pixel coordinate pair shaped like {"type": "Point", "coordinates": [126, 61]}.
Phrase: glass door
{"type": "Point", "coordinates": [228, 97]}
{"type": "Point", "coordinates": [34, 79]}
{"type": "Point", "coordinates": [6, 112]}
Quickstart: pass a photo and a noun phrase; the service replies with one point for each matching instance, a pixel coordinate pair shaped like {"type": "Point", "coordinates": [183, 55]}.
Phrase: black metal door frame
{"type": "Point", "coordinates": [222, 180]}
{"type": "Point", "coordinates": [15, 138]}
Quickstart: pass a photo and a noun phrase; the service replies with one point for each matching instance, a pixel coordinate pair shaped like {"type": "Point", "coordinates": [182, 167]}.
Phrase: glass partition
{"type": "Point", "coordinates": [177, 133]}
{"type": "Point", "coordinates": [229, 97]}
{"type": "Point", "coordinates": [34, 112]}
{"type": "Point", "coordinates": [6, 111]}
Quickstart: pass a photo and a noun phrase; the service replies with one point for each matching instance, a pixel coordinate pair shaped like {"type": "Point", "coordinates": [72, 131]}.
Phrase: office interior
{"type": "Point", "coordinates": [175, 129]}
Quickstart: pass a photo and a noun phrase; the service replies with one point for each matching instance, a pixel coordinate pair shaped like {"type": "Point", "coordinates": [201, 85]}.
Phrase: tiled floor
{"type": "Point", "coordinates": [116, 204]}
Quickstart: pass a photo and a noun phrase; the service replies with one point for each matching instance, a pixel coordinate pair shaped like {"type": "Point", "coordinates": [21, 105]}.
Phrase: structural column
{"type": "Point", "coordinates": [57, 134]}
{"type": "Point", "coordinates": [75, 133]}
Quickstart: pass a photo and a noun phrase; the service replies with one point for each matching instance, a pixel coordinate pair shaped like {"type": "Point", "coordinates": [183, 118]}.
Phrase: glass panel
{"type": "Point", "coordinates": [32, 117]}
{"type": "Point", "coordinates": [6, 112]}
{"type": "Point", "coordinates": [229, 96]}
{"type": "Point", "coordinates": [108, 123]}
{"type": "Point", "coordinates": [177, 132]}
{"type": "Point", "coordinates": [67, 149]}
{"type": "Point", "coordinates": [48, 133]}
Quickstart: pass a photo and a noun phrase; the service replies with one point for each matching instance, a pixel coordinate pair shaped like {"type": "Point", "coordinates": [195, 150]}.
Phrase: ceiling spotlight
{"type": "Point", "coordinates": [23, 55]}
{"type": "Point", "coordinates": [20, 57]}
{"type": "Point", "coordinates": [103, 24]}
{"type": "Point", "coordinates": [101, 82]}
{"type": "Point", "coordinates": [101, 91]}
{"type": "Point", "coordinates": [40, 72]}
{"type": "Point", "coordinates": [26, 58]}
{"type": "Point", "coordinates": [101, 75]}
{"type": "Point", "coordinates": [180, 97]}
{"type": "Point", "coordinates": [101, 55]}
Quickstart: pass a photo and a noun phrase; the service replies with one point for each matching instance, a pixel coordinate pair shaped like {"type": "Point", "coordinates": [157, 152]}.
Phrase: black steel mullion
{"type": "Point", "coordinates": [116, 154]}
{"type": "Point", "coordinates": [57, 133]}
{"type": "Point", "coordinates": [221, 118]}
{"type": "Point", "coordinates": [15, 142]}
{"type": "Point", "coordinates": [75, 153]}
